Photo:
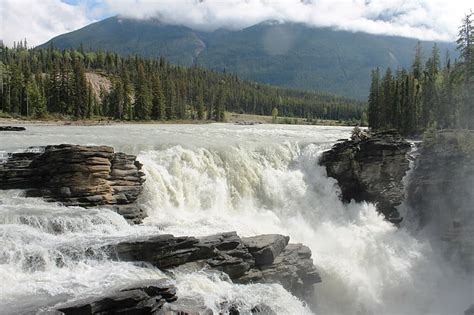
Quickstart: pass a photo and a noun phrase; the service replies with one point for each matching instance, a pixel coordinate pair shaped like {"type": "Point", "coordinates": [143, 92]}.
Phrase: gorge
{"type": "Point", "coordinates": [204, 180]}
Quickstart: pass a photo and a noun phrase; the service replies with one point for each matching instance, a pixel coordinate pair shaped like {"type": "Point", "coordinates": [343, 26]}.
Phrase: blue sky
{"type": "Point", "coordinates": [40, 20]}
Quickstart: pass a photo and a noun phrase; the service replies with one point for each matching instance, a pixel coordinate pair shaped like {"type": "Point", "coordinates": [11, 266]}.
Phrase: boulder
{"type": "Point", "coordinates": [186, 306]}
{"type": "Point", "coordinates": [259, 259]}
{"type": "Point", "coordinates": [370, 167]}
{"type": "Point", "coordinates": [143, 297]}
{"type": "Point", "coordinates": [12, 128]}
{"type": "Point", "coordinates": [262, 309]}
{"type": "Point", "coordinates": [76, 175]}
{"type": "Point", "coordinates": [265, 248]}
{"type": "Point", "coordinates": [293, 269]}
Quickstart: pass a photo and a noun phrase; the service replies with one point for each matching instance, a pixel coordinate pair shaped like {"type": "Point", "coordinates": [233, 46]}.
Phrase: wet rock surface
{"type": "Point", "coordinates": [370, 167]}
{"type": "Point", "coordinates": [12, 128]}
{"type": "Point", "coordinates": [78, 175]}
{"type": "Point", "coordinates": [441, 191]}
{"type": "Point", "coordinates": [143, 297]}
{"type": "Point", "coordinates": [240, 258]}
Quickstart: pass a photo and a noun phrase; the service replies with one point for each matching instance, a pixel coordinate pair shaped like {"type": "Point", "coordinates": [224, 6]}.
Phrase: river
{"type": "Point", "coordinates": [204, 179]}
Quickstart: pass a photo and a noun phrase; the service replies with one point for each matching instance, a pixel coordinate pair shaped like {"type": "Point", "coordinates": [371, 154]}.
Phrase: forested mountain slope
{"type": "Point", "coordinates": [290, 55]}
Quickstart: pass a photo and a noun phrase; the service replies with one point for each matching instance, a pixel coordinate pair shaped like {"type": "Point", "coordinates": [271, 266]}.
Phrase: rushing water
{"type": "Point", "coordinates": [204, 179]}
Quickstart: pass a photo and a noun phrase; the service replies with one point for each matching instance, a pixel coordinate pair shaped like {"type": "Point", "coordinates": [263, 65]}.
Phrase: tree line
{"type": "Point", "coordinates": [431, 94]}
{"type": "Point", "coordinates": [42, 82]}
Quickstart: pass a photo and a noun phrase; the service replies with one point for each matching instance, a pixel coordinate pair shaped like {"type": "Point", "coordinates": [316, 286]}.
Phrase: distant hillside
{"type": "Point", "coordinates": [290, 55]}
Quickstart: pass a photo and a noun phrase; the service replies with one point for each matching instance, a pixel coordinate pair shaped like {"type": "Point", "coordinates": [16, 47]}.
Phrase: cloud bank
{"type": "Point", "coordinates": [423, 19]}
{"type": "Point", "coordinates": [39, 20]}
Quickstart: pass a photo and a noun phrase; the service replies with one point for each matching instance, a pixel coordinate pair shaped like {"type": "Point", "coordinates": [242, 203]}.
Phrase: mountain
{"type": "Point", "coordinates": [289, 54]}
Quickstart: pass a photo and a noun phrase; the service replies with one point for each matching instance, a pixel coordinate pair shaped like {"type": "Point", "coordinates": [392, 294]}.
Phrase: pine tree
{"type": "Point", "coordinates": [386, 107]}
{"type": "Point", "coordinates": [127, 92]}
{"type": "Point", "coordinates": [417, 65]}
{"type": "Point", "coordinates": [374, 100]}
{"type": "Point", "coordinates": [117, 100]}
{"type": "Point", "coordinates": [430, 101]}
{"type": "Point", "coordinates": [36, 99]}
{"type": "Point", "coordinates": [465, 45]}
{"type": "Point", "coordinates": [158, 102]}
{"type": "Point", "coordinates": [142, 95]}
{"type": "Point", "coordinates": [200, 104]}
{"type": "Point", "coordinates": [171, 100]}
{"type": "Point", "coordinates": [79, 90]}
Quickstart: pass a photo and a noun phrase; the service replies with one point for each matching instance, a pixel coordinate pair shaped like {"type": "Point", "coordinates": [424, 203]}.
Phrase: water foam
{"type": "Point", "coordinates": [208, 179]}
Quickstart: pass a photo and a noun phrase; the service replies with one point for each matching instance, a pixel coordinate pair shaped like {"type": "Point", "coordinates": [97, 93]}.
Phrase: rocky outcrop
{"type": "Point", "coordinates": [144, 297]}
{"type": "Point", "coordinates": [370, 167]}
{"type": "Point", "coordinates": [441, 190]}
{"type": "Point", "coordinates": [196, 306]}
{"type": "Point", "coordinates": [260, 259]}
{"type": "Point", "coordinates": [78, 175]}
{"type": "Point", "coordinates": [12, 128]}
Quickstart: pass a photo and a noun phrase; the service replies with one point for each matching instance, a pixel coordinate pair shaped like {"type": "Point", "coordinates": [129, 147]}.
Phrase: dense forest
{"type": "Point", "coordinates": [43, 82]}
{"type": "Point", "coordinates": [430, 95]}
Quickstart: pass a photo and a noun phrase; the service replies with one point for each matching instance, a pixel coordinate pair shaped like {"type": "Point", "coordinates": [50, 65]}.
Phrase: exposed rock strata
{"type": "Point", "coordinates": [260, 259]}
{"type": "Point", "coordinates": [78, 175]}
{"type": "Point", "coordinates": [196, 306]}
{"type": "Point", "coordinates": [144, 297]}
{"type": "Point", "coordinates": [370, 167]}
{"type": "Point", "coordinates": [441, 190]}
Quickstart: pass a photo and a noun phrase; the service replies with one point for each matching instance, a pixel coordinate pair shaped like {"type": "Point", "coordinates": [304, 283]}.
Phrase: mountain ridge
{"type": "Point", "coordinates": [283, 54]}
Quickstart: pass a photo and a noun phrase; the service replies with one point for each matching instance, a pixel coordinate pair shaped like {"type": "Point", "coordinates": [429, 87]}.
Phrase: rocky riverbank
{"type": "Point", "coordinates": [370, 167]}
{"type": "Point", "coordinates": [441, 191]}
{"type": "Point", "coordinates": [92, 176]}
{"type": "Point", "coordinates": [143, 297]}
{"type": "Point", "coordinates": [76, 175]}
{"type": "Point", "coordinates": [265, 258]}
{"type": "Point", "coordinates": [260, 259]}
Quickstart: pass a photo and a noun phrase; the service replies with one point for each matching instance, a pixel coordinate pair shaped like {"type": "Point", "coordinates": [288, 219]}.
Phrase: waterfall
{"type": "Point", "coordinates": [215, 178]}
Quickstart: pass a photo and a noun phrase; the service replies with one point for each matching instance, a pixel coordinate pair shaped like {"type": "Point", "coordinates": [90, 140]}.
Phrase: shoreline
{"type": "Point", "coordinates": [236, 119]}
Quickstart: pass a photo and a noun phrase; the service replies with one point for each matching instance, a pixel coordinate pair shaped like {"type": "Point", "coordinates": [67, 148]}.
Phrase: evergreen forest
{"type": "Point", "coordinates": [432, 94]}
{"type": "Point", "coordinates": [51, 82]}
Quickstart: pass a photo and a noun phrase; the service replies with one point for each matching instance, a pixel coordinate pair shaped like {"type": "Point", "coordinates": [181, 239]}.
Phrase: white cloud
{"type": "Point", "coordinates": [423, 19]}
{"type": "Point", "coordinates": [40, 20]}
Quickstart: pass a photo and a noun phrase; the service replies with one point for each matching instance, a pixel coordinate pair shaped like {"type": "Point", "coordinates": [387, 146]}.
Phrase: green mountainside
{"type": "Point", "coordinates": [290, 55]}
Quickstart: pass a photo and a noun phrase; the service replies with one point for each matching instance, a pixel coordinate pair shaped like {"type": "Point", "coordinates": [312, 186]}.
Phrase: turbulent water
{"type": "Point", "coordinates": [204, 179]}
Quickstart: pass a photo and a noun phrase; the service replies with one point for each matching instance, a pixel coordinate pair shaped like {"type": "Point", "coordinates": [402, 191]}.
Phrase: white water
{"type": "Point", "coordinates": [213, 178]}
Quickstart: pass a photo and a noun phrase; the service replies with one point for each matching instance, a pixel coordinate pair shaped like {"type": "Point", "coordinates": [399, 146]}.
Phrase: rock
{"type": "Point", "coordinates": [277, 262]}
{"type": "Point", "coordinates": [186, 306]}
{"type": "Point", "coordinates": [262, 309]}
{"type": "Point", "coordinates": [265, 248]}
{"type": "Point", "coordinates": [293, 269]}
{"type": "Point", "coordinates": [11, 128]}
{"type": "Point", "coordinates": [144, 297]}
{"type": "Point", "coordinates": [441, 194]}
{"type": "Point", "coordinates": [370, 167]}
{"type": "Point", "coordinates": [78, 175]}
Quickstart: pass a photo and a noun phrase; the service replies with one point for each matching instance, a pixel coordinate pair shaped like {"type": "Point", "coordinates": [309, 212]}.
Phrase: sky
{"type": "Point", "coordinates": [40, 20]}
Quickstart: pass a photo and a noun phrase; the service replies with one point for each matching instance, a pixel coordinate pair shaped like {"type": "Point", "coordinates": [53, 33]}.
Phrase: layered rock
{"type": "Point", "coordinates": [143, 297]}
{"type": "Point", "coordinates": [196, 306]}
{"type": "Point", "coordinates": [441, 190]}
{"type": "Point", "coordinates": [77, 175]}
{"type": "Point", "coordinates": [370, 167]}
{"type": "Point", "coordinates": [262, 259]}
